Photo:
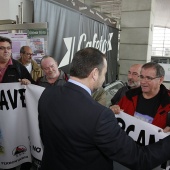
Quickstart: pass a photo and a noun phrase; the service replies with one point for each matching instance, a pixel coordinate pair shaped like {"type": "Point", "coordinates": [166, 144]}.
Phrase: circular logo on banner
{"type": "Point", "coordinates": [19, 150]}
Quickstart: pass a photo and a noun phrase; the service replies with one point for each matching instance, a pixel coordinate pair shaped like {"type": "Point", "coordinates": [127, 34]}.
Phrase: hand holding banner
{"type": "Point", "coordinates": [142, 132]}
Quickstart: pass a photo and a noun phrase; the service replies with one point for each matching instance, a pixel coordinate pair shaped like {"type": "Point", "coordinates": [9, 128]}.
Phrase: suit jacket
{"type": "Point", "coordinates": [80, 134]}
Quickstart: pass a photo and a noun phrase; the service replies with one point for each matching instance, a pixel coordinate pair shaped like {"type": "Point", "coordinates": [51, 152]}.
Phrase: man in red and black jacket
{"type": "Point", "coordinates": [151, 101]}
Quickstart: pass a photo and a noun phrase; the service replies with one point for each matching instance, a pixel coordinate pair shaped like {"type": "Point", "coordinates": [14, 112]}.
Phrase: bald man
{"type": "Point", "coordinates": [26, 60]}
{"type": "Point", "coordinates": [52, 75]}
{"type": "Point", "coordinates": [133, 81]}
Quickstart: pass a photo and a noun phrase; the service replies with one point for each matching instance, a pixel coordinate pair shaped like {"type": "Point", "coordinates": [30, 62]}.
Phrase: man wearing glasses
{"type": "Point", "coordinates": [10, 69]}
{"type": "Point", "coordinates": [133, 81]}
{"type": "Point", "coordinates": [149, 102]}
{"type": "Point", "coordinates": [26, 59]}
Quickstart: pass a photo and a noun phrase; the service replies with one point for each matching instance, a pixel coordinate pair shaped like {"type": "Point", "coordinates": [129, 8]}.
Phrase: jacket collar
{"type": "Point", "coordinates": [164, 94]}
{"type": "Point", "coordinates": [77, 88]}
{"type": "Point", "coordinates": [35, 66]}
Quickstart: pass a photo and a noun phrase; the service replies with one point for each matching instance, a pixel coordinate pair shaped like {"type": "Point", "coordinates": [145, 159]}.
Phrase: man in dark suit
{"type": "Point", "coordinates": [80, 134]}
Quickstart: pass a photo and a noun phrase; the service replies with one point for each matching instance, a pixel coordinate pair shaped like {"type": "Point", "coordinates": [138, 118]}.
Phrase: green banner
{"type": "Point", "coordinates": [36, 32]}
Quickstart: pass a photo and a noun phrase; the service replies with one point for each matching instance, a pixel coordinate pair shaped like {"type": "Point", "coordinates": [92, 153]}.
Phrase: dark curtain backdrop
{"type": "Point", "coordinates": [69, 31]}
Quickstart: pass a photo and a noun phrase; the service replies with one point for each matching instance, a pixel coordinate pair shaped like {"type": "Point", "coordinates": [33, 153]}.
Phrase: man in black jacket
{"type": "Point", "coordinates": [80, 134]}
{"type": "Point", "coordinates": [10, 69]}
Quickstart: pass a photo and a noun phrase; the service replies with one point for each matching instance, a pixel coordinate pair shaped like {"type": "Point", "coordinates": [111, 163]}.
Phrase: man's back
{"type": "Point", "coordinates": [70, 144]}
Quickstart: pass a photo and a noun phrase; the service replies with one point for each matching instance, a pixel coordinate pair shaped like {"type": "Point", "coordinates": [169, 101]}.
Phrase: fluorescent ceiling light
{"type": "Point", "coordinates": [98, 2]}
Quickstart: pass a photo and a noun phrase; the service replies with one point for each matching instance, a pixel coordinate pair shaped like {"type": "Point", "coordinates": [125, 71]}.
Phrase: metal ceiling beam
{"type": "Point", "coordinates": [24, 26]}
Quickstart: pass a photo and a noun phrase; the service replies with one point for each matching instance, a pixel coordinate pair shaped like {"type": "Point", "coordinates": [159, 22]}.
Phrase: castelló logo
{"type": "Point", "coordinates": [19, 150]}
{"type": "Point", "coordinates": [101, 43]}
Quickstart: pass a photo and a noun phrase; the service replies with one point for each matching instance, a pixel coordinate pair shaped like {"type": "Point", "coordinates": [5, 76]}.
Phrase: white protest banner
{"type": "Point", "coordinates": [19, 132]}
{"type": "Point", "coordinates": [142, 132]}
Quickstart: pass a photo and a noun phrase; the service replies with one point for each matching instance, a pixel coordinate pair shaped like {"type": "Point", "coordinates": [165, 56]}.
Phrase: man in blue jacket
{"type": "Point", "coordinates": [78, 133]}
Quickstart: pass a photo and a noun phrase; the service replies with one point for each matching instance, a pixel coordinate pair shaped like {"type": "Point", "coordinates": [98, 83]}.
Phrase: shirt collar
{"type": "Point", "coordinates": [10, 62]}
{"type": "Point", "coordinates": [80, 84]}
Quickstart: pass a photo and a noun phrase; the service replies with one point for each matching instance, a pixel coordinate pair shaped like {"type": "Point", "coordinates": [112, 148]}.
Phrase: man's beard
{"type": "Point", "coordinates": [133, 84]}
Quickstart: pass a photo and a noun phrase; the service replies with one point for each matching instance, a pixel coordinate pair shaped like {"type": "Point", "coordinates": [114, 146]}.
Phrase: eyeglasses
{"type": "Point", "coordinates": [29, 54]}
{"type": "Point", "coordinates": [147, 78]}
{"type": "Point", "coordinates": [5, 48]}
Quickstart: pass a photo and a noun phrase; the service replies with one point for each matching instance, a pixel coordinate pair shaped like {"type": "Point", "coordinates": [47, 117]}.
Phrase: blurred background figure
{"type": "Point", "coordinates": [100, 96]}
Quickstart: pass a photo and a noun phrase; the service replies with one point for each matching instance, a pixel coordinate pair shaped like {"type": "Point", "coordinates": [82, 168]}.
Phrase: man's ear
{"type": "Point", "coordinates": [95, 74]}
{"type": "Point", "coordinates": [21, 54]}
{"type": "Point", "coordinates": [161, 80]}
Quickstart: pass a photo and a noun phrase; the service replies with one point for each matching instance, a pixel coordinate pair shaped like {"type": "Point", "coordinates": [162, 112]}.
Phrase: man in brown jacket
{"type": "Point", "coordinates": [26, 59]}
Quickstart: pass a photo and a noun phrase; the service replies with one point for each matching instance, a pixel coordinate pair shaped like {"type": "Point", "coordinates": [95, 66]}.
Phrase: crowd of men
{"type": "Point", "coordinates": [85, 133]}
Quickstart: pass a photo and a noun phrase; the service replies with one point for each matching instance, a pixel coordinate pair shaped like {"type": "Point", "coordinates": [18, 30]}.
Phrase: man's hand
{"type": "Point", "coordinates": [167, 129]}
{"type": "Point", "coordinates": [116, 109]}
{"type": "Point", "coordinates": [24, 81]}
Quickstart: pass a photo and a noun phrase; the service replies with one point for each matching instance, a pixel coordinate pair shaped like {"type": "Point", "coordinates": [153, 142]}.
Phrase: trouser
{"type": "Point", "coordinates": [24, 166]}
{"type": "Point", "coordinates": [36, 164]}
